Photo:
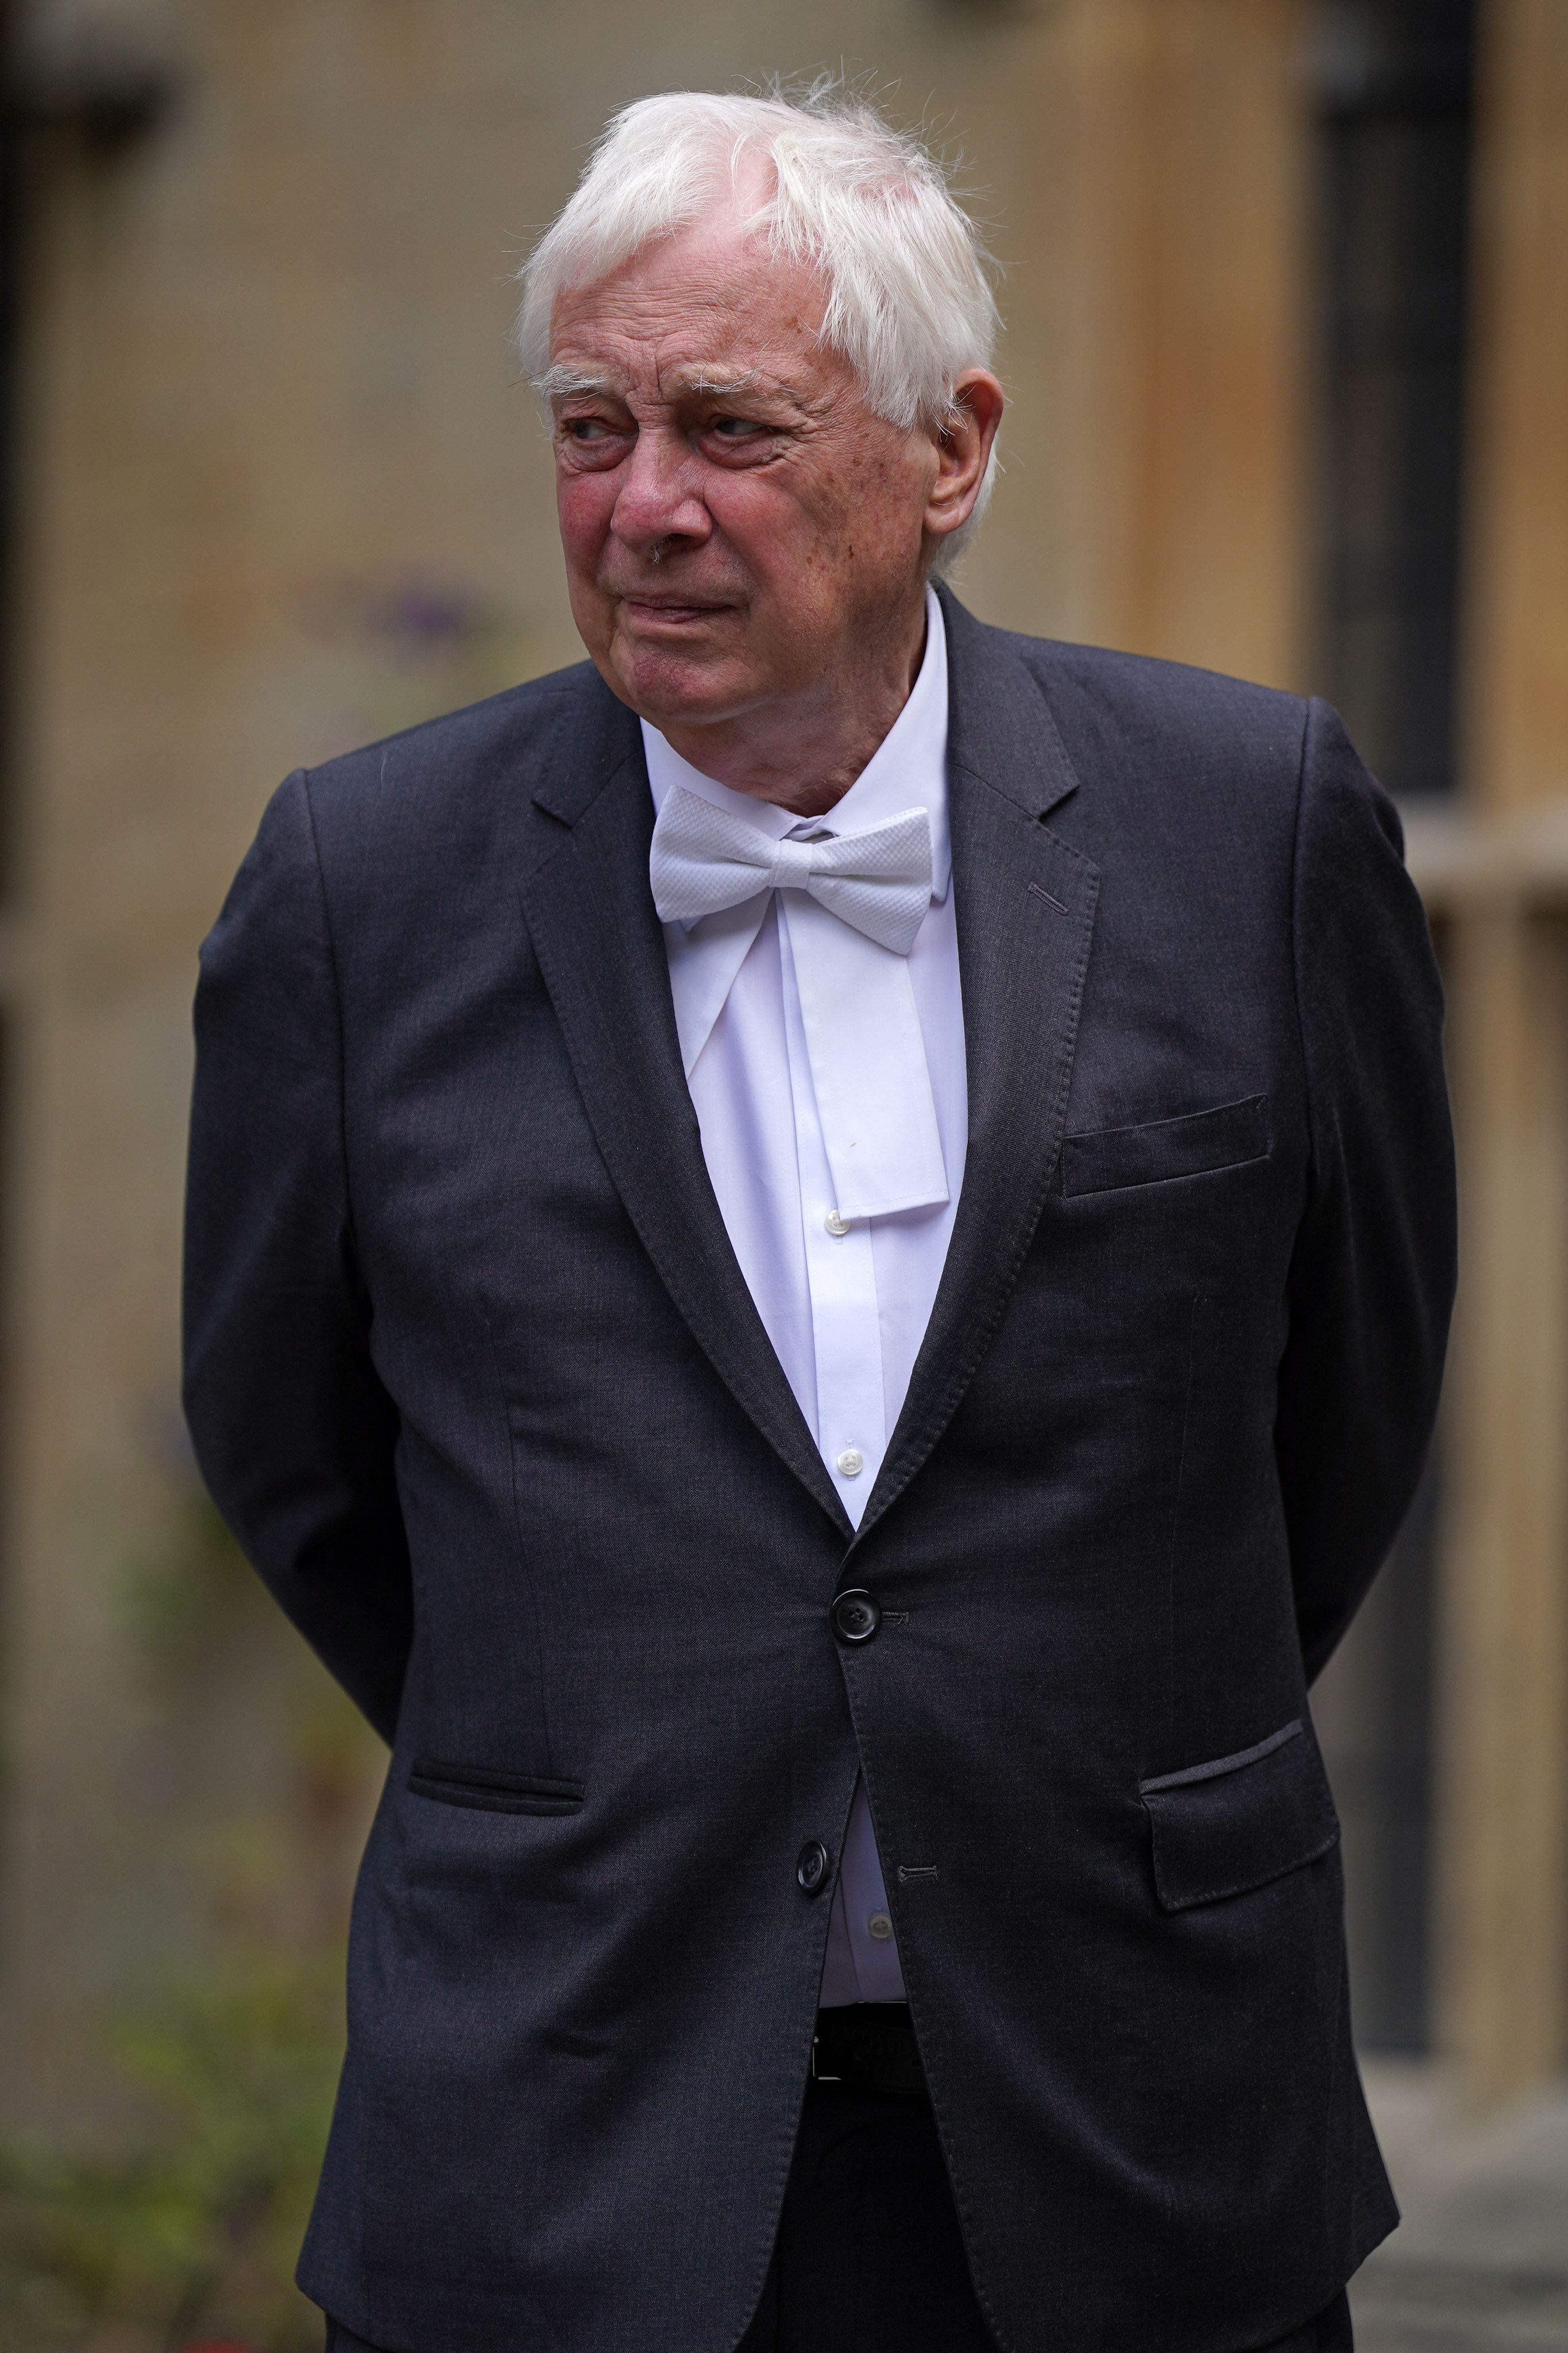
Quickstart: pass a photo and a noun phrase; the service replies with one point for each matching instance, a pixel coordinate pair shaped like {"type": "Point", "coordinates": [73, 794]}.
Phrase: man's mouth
{"type": "Point", "coordinates": [661, 606]}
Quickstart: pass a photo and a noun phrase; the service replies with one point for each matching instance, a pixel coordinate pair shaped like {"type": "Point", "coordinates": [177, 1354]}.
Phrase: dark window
{"type": "Point", "coordinates": [1393, 91]}
{"type": "Point", "coordinates": [11, 227]}
{"type": "Point", "coordinates": [1392, 85]}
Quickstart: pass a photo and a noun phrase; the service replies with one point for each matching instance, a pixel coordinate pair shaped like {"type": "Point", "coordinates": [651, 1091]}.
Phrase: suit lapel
{"type": "Point", "coordinates": [591, 918]}
{"type": "Point", "coordinates": [1025, 912]}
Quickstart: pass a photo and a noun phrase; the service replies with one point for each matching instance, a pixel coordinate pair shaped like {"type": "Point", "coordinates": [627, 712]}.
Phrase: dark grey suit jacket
{"type": "Point", "coordinates": [475, 1377]}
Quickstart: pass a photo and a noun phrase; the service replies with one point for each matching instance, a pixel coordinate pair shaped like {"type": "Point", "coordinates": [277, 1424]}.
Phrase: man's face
{"type": "Point", "coordinates": [739, 530]}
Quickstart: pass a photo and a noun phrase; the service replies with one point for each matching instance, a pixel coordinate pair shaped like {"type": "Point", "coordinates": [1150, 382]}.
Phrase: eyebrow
{"type": "Point", "coordinates": [562, 383]}
{"type": "Point", "coordinates": [718, 380]}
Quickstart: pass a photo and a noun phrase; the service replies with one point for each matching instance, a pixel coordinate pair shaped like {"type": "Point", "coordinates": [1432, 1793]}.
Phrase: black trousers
{"type": "Point", "coordinates": [868, 2258]}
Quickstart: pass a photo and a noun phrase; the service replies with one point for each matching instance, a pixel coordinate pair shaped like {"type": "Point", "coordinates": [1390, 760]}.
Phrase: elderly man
{"type": "Point", "coordinates": [819, 1253]}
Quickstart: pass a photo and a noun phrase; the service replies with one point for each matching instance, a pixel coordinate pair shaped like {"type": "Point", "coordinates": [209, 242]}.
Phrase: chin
{"type": "Point", "coordinates": [673, 688]}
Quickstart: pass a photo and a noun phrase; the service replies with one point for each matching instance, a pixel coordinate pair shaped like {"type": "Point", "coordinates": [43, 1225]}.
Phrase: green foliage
{"type": "Point", "coordinates": [192, 2232]}
{"type": "Point", "coordinates": [178, 2225]}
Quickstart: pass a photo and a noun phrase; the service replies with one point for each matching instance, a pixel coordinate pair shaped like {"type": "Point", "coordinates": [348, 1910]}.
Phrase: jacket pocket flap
{"type": "Point", "coordinates": [1192, 1147]}
{"type": "Point", "coordinates": [492, 1792]}
{"type": "Point", "coordinates": [1239, 1822]}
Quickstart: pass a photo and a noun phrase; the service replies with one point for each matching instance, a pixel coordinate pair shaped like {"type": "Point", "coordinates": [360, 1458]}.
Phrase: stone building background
{"type": "Point", "coordinates": [1287, 360]}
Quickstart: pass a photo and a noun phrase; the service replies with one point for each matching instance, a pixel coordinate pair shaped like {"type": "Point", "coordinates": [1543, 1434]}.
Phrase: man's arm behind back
{"type": "Point", "coordinates": [293, 1430]}
{"type": "Point", "coordinates": [1371, 1281]}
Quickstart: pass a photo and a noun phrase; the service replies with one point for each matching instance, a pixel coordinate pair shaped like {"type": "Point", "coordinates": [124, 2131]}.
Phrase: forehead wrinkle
{"type": "Point", "coordinates": [621, 349]}
{"type": "Point", "coordinates": [631, 316]}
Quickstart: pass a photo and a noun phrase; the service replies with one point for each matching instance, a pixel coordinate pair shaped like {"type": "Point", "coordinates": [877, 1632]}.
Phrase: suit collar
{"type": "Point", "coordinates": [1024, 904]}
{"type": "Point", "coordinates": [601, 951]}
{"type": "Point", "coordinates": [1000, 725]}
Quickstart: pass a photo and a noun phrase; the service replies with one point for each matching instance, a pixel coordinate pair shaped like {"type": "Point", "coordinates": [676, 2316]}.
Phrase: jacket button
{"type": "Point", "coordinates": [811, 1870]}
{"type": "Point", "coordinates": [856, 1616]}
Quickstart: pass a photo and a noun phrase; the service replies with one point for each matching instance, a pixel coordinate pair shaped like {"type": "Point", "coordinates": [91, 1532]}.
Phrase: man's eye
{"type": "Point", "coordinates": [586, 429]}
{"type": "Point", "coordinates": [736, 429]}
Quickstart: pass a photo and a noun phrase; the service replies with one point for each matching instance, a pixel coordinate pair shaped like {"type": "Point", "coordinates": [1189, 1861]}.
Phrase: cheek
{"type": "Point", "coordinates": [584, 504]}
{"type": "Point", "coordinates": [781, 539]}
{"type": "Point", "coordinates": [747, 512]}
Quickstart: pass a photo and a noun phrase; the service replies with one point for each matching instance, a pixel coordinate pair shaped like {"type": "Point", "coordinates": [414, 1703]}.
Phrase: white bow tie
{"type": "Point", "coordinates": [846, 939]}
{"type": "Point", "coordinates": [705, 858]}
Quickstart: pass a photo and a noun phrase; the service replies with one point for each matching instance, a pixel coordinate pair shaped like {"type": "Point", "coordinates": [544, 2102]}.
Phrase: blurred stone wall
{"type": "Point", "coordinates": [280, 491]}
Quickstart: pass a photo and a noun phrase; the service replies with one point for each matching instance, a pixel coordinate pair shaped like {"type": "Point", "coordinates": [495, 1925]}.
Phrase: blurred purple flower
{"type": "Point", "coordinates": [414, 615]}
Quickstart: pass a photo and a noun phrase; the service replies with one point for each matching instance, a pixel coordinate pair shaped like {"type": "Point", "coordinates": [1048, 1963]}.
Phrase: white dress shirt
{"type": "Point", "coordinates": [843, 1302]}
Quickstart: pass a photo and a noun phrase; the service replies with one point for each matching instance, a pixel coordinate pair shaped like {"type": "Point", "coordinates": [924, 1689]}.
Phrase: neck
{"type": "Point", "coordinates": [804, 755]}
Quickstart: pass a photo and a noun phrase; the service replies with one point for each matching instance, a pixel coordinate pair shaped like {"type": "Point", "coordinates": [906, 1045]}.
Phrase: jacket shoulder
{"type": "Point", "coordinates": [1142, 694]}
{"type": "Point", "coordinates": [505, 738]}
{"type": "Point", "coordinates": [459, 790]}
{"type": "Point", "coordinates": [1137, 726]}
{"type": "Point", "coordinates": [1177, 756]}
{"type": "Point", "coordinates": [438, 825]}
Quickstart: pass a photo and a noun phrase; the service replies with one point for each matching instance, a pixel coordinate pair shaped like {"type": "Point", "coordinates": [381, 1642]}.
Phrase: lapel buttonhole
{"type": "Point", "coordinates": [1046, 895]}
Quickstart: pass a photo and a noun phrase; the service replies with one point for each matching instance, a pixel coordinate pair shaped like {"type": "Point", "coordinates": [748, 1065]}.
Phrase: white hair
{"type": "Point", "coordinates": [910, 304]}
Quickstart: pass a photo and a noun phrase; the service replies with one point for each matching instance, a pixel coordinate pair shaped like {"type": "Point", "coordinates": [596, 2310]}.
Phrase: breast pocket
{"type": "Point", "coordinates": [485, 1790]}
{"type": "Point", "coordinates": [1239, 1822]}
{"type": "Point", "coordinates": [1194, 1145]}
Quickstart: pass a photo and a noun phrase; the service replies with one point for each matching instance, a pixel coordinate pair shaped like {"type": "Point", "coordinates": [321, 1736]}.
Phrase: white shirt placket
{"type": "Point", "coordinates": [842, 1277]}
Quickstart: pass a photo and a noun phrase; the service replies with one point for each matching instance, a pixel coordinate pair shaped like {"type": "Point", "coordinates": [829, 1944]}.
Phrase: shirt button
{"type": "Point", "coordinates": [834, 1224]}
{"type": "Point", "coordinates": [851, 1462]}
{"type": "Point", "coordinates": [811, 1867]}
{"type": "Point", "coordinates": [857, 1614]}
{"type": "Point", "coordinates": [879, 1926]}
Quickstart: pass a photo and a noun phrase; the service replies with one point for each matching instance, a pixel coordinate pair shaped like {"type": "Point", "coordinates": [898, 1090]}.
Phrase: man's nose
{"type": "Point", "coordinates": [658, 499]}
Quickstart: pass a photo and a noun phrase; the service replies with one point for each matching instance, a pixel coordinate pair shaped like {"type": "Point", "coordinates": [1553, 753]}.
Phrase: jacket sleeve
{"type": "Point", "coordinates": [293, 1430]}
{"type": "Point", "coordinates": [1371, 1278]}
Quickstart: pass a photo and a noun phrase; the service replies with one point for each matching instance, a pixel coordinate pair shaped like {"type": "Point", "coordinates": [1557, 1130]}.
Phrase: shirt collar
{"type": "Point", "coordinates": [907, 770]}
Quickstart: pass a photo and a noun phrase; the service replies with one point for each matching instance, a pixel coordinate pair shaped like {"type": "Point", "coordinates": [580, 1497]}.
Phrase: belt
{"type": "Point", "coordinates": [869, 2046]}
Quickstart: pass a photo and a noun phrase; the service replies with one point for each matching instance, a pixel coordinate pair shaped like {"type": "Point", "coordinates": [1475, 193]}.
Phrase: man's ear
{"type": "Point", "coordinates": [963, 444]}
